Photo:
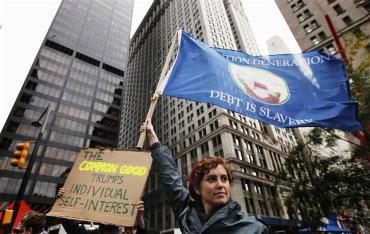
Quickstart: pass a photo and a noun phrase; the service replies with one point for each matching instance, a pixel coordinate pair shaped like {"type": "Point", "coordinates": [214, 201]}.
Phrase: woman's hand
{"type": "Point", "coordinates": [139, 222]}
{"type": "Point", "coordinates": [150, 133]}
{"type": "Point", "coordinates": [61, 192]}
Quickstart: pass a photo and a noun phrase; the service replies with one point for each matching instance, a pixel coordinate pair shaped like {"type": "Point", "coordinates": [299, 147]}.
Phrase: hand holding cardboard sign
{"type": "Point", "coordinates": [61, 192]}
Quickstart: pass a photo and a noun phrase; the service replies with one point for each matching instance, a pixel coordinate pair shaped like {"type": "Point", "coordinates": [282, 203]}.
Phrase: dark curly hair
{"type": "Point", "coordinates": [34, 220]}
{"type": "Point", "coordinates": [201, 168]}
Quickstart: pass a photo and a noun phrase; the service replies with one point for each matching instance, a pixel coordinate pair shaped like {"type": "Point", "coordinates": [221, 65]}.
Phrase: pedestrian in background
{"type": "Point", "coordinates": [32, 223]}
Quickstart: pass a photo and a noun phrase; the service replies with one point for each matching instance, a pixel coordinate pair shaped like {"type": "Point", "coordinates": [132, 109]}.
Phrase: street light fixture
{"type": "Point", "coordinates": [27, 174]}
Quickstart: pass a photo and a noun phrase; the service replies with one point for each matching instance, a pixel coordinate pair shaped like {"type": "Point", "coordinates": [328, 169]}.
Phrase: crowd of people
{"type": "Point", "coordinates": [36, 223]}
{"type": "Point", "coordinates": [205, 207]}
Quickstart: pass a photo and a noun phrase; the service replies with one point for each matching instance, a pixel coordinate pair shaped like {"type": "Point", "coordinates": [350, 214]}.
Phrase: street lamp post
{"type": "Point", "coordinates": [27, 174]}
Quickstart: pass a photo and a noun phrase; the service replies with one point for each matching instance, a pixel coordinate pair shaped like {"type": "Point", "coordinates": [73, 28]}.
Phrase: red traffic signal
{"type": "Point", "coordinates": [20, 154]}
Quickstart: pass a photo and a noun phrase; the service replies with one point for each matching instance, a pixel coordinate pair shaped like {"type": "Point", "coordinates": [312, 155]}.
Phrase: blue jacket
{"type": "Point", "coordinates": [228, 219]}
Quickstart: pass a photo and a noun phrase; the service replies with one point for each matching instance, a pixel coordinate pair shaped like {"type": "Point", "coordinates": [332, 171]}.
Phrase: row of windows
{"type": "Point", "coordinates": [43, 89]}
{"type": "Point", "coordinates": [49, 77]}
{"type": "Point", "coordinates": [74, 112]}
{"type": "Point", "coordinates": [84, 78]}
{"type": "Point", "coordinates": [9, 185]}
{"type": "Point", "coordinates": [51, 66]}
{"type": "Point", "coordinates": [107, 76]}
{"type": "Point", "coordinates": [70, 125]}
{"type": "Point", "coordinates": [67, 139]}
{"type": "Point", "coordinates": [80, 88]}
{"type": "Point", "coordinates": [61, 154]}
{"type": "Point", "coordinates": [83, 67]}
{"type": "Point", "coordinates": [244, 129]}
{"type": "Point", "coordinates": [45, 189]}
{"type": "Point", "coordinates": [26, 130]}
{"type": "Point", "coordinates": [28, 114]}
{"type": "Point", "coordinates": [74, 98]}
{"type": "Point", "coordinates": [37, 101]}
{"type": "Point", "coordinates": [55, 56]}
{"type": "Point", "coordinates": [309, 27]}
{"type": "Point", "coordinates": [52, 169]}
{"type": "Point", "coordinates": [264, 194]}
{"type": "Point", "coordinates": [250, 152]}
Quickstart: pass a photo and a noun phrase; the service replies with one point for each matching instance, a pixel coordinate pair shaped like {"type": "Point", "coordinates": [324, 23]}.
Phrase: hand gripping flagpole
{"type": "Point", "coordinates": [160, 86]}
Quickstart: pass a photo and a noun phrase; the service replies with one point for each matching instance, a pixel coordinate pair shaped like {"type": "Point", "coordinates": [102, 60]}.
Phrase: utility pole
{"type": "Point", "coordinates": [27, 174]}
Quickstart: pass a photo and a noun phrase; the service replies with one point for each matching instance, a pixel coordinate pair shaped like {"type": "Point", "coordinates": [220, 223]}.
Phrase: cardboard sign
{"type": "Point", "coordinates": [104, 186]}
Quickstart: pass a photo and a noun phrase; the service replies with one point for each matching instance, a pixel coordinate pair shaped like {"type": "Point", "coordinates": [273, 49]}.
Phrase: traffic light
{"type": "Point", "coordinates": [7, 216]}
{"type": "Point", "coordinates": [20, 154]}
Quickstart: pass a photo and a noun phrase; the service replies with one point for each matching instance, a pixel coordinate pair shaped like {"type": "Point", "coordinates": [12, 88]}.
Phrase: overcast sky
{"type": "Point", "coordinates": [24, 23]}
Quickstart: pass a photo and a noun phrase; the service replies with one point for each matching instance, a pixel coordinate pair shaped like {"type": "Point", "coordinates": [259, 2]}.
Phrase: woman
{"type": "Point", "coordinates": [207, 207]}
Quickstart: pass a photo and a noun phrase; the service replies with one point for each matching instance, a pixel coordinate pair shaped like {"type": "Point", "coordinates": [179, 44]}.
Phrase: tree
{"type": "Point", "coordinates": [358, 71]}
{"type": "Point", "coordinates": [324, 186]}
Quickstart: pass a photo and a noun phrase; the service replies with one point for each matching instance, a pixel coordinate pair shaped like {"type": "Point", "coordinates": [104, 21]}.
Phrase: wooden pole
{"type": "Point", "coordinates": [160, 86]}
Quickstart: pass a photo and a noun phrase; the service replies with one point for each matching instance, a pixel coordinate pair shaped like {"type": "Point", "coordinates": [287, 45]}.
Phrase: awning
{"type": "Point", "coordinates": [331, 226]}
{"type": "Point", "coordinates": [271, 221]}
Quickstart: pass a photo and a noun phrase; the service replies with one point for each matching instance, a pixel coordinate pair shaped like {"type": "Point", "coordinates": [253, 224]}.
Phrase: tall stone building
{"type": "Point", "coordinates": [276, 45]}
{"type": "Point", "coordinates": [192, 130]}
{"type": "Point", "coordinates": [78, 71]}
{"type": "Point", "coordinates": [306, 19]}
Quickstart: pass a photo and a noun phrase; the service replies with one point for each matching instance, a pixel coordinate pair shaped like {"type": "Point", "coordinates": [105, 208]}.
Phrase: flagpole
{"type": "Point", "coordinates": [159, 88]}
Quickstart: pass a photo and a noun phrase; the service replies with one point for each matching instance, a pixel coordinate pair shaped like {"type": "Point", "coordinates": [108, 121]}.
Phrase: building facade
{"type": "Point", "coordinates": [306, 20]}
{"type": "Point", "coordinates": [255, 151]}
{"type": "Point", "coordinates": [78, 71]}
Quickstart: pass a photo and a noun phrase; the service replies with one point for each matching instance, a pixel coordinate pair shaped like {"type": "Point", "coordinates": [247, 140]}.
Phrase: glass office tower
{"type": "Point", "coordinates": [78, 71]}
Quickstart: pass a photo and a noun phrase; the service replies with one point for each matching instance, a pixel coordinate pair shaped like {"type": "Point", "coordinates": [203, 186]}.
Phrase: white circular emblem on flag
{"type": "Point", "coordinates": [260, 84]}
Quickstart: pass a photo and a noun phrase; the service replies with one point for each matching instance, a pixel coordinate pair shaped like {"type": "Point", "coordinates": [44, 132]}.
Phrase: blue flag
{"type": "Point", "coordinates": [291, 90]}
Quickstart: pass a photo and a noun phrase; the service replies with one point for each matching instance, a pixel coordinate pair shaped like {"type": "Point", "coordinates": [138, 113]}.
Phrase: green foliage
{"type": "Point", "coordinates": [358, 71]}
{"type": "Point", "coordinates": [324, 186]}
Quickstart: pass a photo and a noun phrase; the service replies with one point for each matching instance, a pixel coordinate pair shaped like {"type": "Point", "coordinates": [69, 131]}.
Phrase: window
{"type": "Point", "coordinates": [306, 14]}
{"type": "Point", "coordinates": [193, 155]}
{"type": "Point", "coordinates": [314, 40]}
{"type": "Point", "coordinates": [300, 17]}
{"type": "Point", "coordinates": [331, 49]}
{"type": "Point", "coordinates": [250, 158]}
{"type": "Point", "coordinates": [263, 207]}
{"type": "Point", "coordinates": [219, 153]}
{"type": "Point", "coordinates": [204, 148]}
{"type": "Point", "coordinates": [347, 20]}
{"type": "Point", "coordinates": [245, 185]}
{"type": "Point", "coordinates": [314, 24]}
{"type": "Point", "coordinates": [239, 154]}
{"type": "Point", "coordinates": [258, 188]}
{"type": "Point", "coordinates": [307, 28]}
{"type": "Point", "coordinates": [202, 133]}
{"type": "Point", "coordinates": [299, 5]}
{"type": "Point", "coordinates": [184, 167]}
{"type": "Point", "coordinates": [338, 9]}
{"type": "Point", "coordinates": [233, 124]}
{"type": "Point", "coordinates": [216, 141]}
{"type": "Point", "coordinates": [249, 205]}
{"type": "Point", "coordinates": [294, 7]}
{"type": "Point", "coordinates": [214, 125]}
{"type": "Point", "coordinates": [322, 35]}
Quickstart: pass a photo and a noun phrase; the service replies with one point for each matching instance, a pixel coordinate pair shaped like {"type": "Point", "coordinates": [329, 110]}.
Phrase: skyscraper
{"type": "Point", "coordinates": [192, 130]}
{"type": "Point", "coordinates": [307, 22]}
{"type": "Point", "coordinates": [78, 70]}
